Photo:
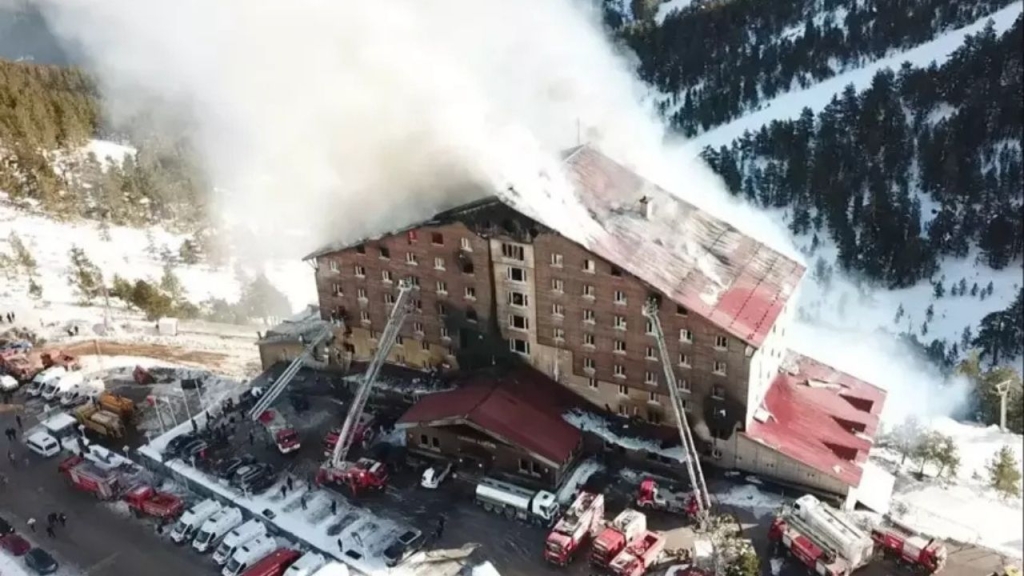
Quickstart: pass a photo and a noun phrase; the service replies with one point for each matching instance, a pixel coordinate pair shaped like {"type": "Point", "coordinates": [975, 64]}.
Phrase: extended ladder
{"type": "Point", "coordinates": [277, 388]}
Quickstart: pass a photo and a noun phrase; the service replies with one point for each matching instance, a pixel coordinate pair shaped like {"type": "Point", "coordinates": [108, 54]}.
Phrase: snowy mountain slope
{"type": "Point", "coordinates": [791, 104]}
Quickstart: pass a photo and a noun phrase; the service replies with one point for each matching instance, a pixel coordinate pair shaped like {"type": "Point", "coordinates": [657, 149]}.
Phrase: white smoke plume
{"type": "Point", "coordinates": [346, 119]}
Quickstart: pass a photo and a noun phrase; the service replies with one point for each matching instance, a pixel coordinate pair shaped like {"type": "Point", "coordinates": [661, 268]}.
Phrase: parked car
{"type": "Point", "coordinates": [175, 446]}
{"type": "Point", "coordinates": [407, 544]}
{"type": "Point", "coordinates": [14, 544]}
{"type": "Point", "coordinates": [40, 561]}
{"type": "Point", "coordinates": [433, 476]}
{"type": "Point", "coordinates": [227, 467]}
{"type": "Point", "coordinates": [258, 479]}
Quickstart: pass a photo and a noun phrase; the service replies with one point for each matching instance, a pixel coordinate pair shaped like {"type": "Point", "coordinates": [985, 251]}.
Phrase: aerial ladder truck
{"type": "Point", "coordinates": [275, 390]}
{"type": "Point", "coordinates": [365, 473]}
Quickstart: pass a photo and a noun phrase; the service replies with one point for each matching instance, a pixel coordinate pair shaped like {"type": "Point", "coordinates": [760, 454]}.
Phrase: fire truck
{"type": "Point", "coordinates": [820, 535]}
{"type": "Point", "coordinates": [364, 434]}
{"type": "Point", "coordinates": [624, 530]}
{"type": "Point", "coordinates": [921, 555]}
{"type": "Point", "coordinates": [144, 500]}
{"type": "Point", "coordinates": [636, 558]}
{"type": "Point", "coordinates": [86, 476]}
{"type": "Point", "coordinates": [284, 436]}
{"type": "Point", "coordinates": [579, 523]}
{"type": "Point", "coordinates": [651, 496]}
{"type": "Point", "coordinates": [800, 541]}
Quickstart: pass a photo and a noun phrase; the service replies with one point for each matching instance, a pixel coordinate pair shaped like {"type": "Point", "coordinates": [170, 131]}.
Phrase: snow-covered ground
{"type": "Point", "coordinates": [790, 105]}
{"type": "Point", "coordinates": [11, 566]}
{"type": "Point", "coordinates": [963, 508]}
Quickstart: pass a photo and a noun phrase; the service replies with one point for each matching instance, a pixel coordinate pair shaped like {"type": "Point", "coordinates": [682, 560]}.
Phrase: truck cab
{"type": "Point", "coordinates": [236, 539]}
{"type": "Point", "coordinates": [215, 528]}
{"type": "Point", "coordinates": [145, 500]}
{"type": "Point", "coordinates": [275, 564]}
{"type": "Point", "coordinates": [249, 554]}
{"type": "Point", "coordinates": [578, 524]}
{"type": "Point", "coordinates": [190, 522]}
{"type": "Point", "coordinates": [515, 502]}
{"type": "Point", "coordinates": [625, 529]}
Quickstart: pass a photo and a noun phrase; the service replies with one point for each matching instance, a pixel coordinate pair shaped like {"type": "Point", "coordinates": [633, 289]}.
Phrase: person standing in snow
{"type": "Point", "coordinates": [31, 524]}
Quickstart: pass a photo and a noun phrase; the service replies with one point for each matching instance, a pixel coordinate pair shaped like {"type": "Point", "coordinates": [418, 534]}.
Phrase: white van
{"type": "Point", "coordinates": [306, 565]}
{"type": "Point", "coordinates": [78, 393]}
{"type": "Point", "coordinates": [59, 385]}
{"type": "Point", "coordinates": [187, 526]}
{"type": "Point", "coordinates": [236, 539]}
{"type": "Point", "coordinates": [214, 529]}
{"type": "Point", "coordinates": [43, 444]}
{"type": "Point", "coordinates": [249, 554]}
{"type": "Point", "coordinates": [44, 378]}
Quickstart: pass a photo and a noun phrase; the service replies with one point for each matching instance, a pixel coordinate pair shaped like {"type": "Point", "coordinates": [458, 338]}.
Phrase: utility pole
{"type": "Point", "coordinates": [1003, 388]}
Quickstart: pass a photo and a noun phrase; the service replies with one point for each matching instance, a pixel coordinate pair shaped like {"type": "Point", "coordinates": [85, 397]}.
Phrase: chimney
{"type": "Point", "coordinates": [646, 207]}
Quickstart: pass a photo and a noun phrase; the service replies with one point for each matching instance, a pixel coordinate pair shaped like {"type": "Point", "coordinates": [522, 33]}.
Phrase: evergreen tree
{"type": "Point", "coordinates": [35, 291]}
{"type": "Point", "coordinates": [260, 299]}
{"type": "Point", "coordinates": [84, 276]}
{"type": "Point", "coordinates": [1004, 473]}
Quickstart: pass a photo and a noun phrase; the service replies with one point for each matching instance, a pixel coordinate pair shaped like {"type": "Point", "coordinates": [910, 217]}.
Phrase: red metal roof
{"type": "Point", "coordinates": [507, 416]}
{"type": "Point", "coordinates": [821, 417]}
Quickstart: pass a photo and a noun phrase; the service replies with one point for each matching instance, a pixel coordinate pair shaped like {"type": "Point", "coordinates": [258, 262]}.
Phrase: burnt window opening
{"type": "Point", "coordinates": [385, 253]}
{"type": "Point", "coordinates": [467, 267]}
{"type": "Point", "coordinates": [471, 315]}
{"type": "Point", "coordinates": [508, 226]}
{"type": "Point", "coordinates": [616, 271]}
{"type": "Point", "coordinates": [682, 311]}
{"type": "Point", "coordinates": [437, 238]}
{"type": "Point", "coordinates": [361, 249]}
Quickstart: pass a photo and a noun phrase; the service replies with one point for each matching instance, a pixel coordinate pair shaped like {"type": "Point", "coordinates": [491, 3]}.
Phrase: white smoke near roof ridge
{"type": "Point", "coordinates": [346, 119]}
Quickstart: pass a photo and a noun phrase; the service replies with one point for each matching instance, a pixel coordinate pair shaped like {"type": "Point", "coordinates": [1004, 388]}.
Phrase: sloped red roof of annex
{"type": "Point", "coordinates": [816, 423]}
{"type": "Point", "coordinates": [507, 416]}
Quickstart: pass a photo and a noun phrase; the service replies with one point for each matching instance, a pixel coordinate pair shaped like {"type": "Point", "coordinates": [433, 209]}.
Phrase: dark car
{"type": "Point", "coordinates": [257, 478]}
{"type": "Point", "coordinates": [196, 449]}
{"type": "Point", "coordinates": [407, 544]}
{"type": "Point", "coordinates": [5, 526]}
{"type": "Point", "coordinates": [40, 561]}
{"type": "Point", "coordinates": [175, 446]}
{"type": "Point", "coordinates": [14, 544]}
{"type": "Point", "coordinates": [227, 467]}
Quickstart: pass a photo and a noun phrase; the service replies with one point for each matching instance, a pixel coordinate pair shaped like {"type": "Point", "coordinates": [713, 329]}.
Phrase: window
{"type": "Point", "coordinates": [620, 371]}
{"type": "Point", "coordinates": [652, 397]}
{"type": "Point", "coordinates": [683, 385]}
{"type": "Point", "coordinates": [385, 276]}
{"type": "Point", "coordinates": [444, 334]}
{"type": "Point", "coordinates": [616, 271]}
{"type": "Point", "coordinates": [417, 305]}
{"type": "Point", "coordinates": [449, 352]}
{"type": "Point", "coordinates": [559, 334]}
{"type": "Point", "coordinates": [557, 285]}
{"type": "Point", "coordinates": [589, 316]}
{"type": "Point", "coordinates": [654, 416]}
{"type": "Point", "coordinates": [413, 281]}
{"type": "Point", "coordinates": [650, 377]}
{"type": "Point", "coordinates": [442, 287]}
{"type": "Point", "coordinates": [417, 327]}
{"type": "Point", "coordinates": [465, 245]}
{"type": "Point", "coordinates": [336, 288]}
{"type": "Point", "coordinates": [399, 341]}
{"type": "Point", "coordinates": [620, 322]}
{"type": "Point", "coordinates": [519, 346]}
{"type": "Point", "coordinates": [361, 293]}
{"type": "Point", "coordinates": [588, 364]}
{"type": "Point", "coordinates": [442, 310]}
{"type": "Point", "coordinates": [620, 297]}
{"type": "Point", "coordinates": [589, 266]}
{"type": "Point", "coordinates": [588, 291]}
{"type": "Point", "coordinates": [620, 347]}
{"type": "Point", "coordinates": [470, 293]}
{"type": "Point", "coordinates": [467, 267]}
{"type": "Point", "coordinates": [623, 391]}
{"type": "Point", "coordinates": [424, 440]}
{"type": "Point", "coordinates": [515, 274]}
{"type": "Point", "coordinates": [410, 258]}
{"type": "Point", "coordinates": [649, 330]}
{"type": "Point", "coordinates": [471, 315]}
{"type": "Point", "coordinates": [592, 383]}
{"type": "Point", "coordinates": [360, 271]}
{"type": "Point", "coordinates": [519, 299]}
{"type": "Point", "coordinates": [425, 346]}
{"type": "Point", "coordinates": [364, 316]}
{"type": "Point", "coordinates": [361, 249]}
{"type": "Point", "coordinates": [588, 339]}
{"type": "Point", "coordinates": [437, 238]}
{"type": "Point", "coordinates": [682, 311]}
{"type": "Point", "coordinates": [557, 310]}
{"type": "Point", "coordinates": [556, 260]}
{"type": "Point", "coordinates": [718, 392]}
{"type": "Point", "coordinates": [389, 299]}
{"type": "Point", "coordinates": [334, 266]}
{"type": "Point", "coordinates": [518, 322]}
{"type": "Point", "coordinates": [438, 263]}
{"type": "Point", "coordinates": [524, 466]}
{"type": "Point", "coordinates": [686, 336]}
{"type": "Point", "coordinates": [385, 254]}
{"type": "Point", "coordinates": [684, 361]}
{"type": "Point", "coordinates": [651, 353]}
{"type": "Point", "coordinates": [513, 252]}
{"type": "Point", "coordinates": [623, 410]}
{"type": "Point", "coordinates": [721, 342]}
{"type": "Point", "coordinates": [412, 236]}
{"type": "Point", "coordinates": [719, 368]}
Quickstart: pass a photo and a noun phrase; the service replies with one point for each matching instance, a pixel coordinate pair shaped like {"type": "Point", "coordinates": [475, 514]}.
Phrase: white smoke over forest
{"type": "Point", "coordinates": [348, 119]}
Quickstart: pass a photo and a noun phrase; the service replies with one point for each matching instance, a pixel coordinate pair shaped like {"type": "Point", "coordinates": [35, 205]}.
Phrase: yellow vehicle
{"type": "Point", "coordinates": [100, 421]}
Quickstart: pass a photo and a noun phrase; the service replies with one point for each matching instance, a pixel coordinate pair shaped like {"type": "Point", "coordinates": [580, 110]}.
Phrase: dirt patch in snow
{"type": "Point", "coordinates": [159, 351]}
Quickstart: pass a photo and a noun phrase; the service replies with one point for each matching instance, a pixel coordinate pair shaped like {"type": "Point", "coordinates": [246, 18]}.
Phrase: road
{"type": "Point", "coordinates": [98, 540]}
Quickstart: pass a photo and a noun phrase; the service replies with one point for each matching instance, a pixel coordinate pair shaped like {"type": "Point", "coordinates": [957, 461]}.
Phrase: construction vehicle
{"type": "Point", "coordinates": [364, 434]}
{"type": "Point", "coordinates": [580, 522]}
{"type": "Point", "coordinates": [921, 555]}
{"type": "Point", "coordinates": [636, 558]}
{"type": "Point", "coordinates": [22, 367]}
{"type": "Point", "coordinates": [517, 503]}
{"type": "Point", "coordinates": [86, 476]}
{"type": "Point", "coordinates": [284, 436]}
{"type": "Point", "coordinates": [702, 500]}
{"type": "Point", "coordinates": [834, 529]}
{"type": "Point", "coordinates": [624, 530]}
{"type": "Point", "coordinates": [144, 500]}
{"type": "Point", "coordinates": [100, 421]}
{"type": "Point", "coordinates": [64, 359]}
{"type": "Point", "coordinates": [364, 473]}
{"type": "Point", "coordinates": [651, 496]}
{"type": "Point", "coordinates": [142, 376]}
{"type": "Point", "coordinates": [123, 407]}
{"type": "Point", "coordinates": [801, 542]}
